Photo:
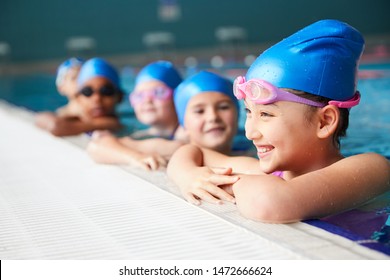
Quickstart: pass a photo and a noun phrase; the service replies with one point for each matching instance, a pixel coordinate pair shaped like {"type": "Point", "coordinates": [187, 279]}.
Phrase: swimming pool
{"type": "Point", "coordinates": [369, 128]}
{"type": "Point", "coordinates": [369, 131]}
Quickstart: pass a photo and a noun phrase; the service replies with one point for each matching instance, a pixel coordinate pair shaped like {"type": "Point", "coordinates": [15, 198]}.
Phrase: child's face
{"type": "Point", "coordinates": [153, 111]}
{"type": "Point", "coordinates": [211, 121]}
{"type": "Point", "coordinates": [68, 86]}
{"type": "Point", "coordinates": [98, 104]}
{"type": "Point", "coordinates": [282, 135]}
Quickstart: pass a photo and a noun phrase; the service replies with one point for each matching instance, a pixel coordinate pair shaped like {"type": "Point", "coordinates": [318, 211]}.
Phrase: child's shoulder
{"type": "Point", "coordinates": [366, 164]}
{"type": "Point", "coordinates": [365, 159]}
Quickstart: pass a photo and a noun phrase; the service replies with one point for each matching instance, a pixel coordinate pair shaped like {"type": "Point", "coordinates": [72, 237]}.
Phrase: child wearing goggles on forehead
{"type": "Point", "coordinates": [152, 100]}
{"type": "Point", "coordinates": [98, 93]}
{"type": "Point", "coordinates": [297, 94]}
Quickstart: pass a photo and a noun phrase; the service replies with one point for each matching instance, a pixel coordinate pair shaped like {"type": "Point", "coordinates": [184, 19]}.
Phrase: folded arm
{"type": "Point", "coordinates": [341, 186]}
{"type": "Point", "coordinates": [67, 126]}
{"type": "Point", "coordinates": [202, 174]}
{"type": "Point", "coordinates": [150, 154]}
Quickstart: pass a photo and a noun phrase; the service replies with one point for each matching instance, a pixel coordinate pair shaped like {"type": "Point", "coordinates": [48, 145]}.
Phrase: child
{"type": "Point", "coordinates": [152, 100]}
{"type": "Point", "coordinates": [66, 83]}
{"type": "Point", "coordinates": [208, 111]}
{"type": "Point", "coordinates": [97, 95]}
{"type": "Point", "coordinates": [206, 108]}
{"type": "Point", "coordinates": [297, 96]}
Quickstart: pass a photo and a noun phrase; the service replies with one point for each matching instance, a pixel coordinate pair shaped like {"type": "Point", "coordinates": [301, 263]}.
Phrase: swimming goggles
{"type": "Point", "coordinates": [159, 93]}
{"type": "Point", "coordinates": [106, 90]}
{"type": "Point", "coordinates": [262, 92]}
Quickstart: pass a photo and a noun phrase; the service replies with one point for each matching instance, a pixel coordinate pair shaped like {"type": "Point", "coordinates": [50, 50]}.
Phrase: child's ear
{"type": "Point", "coordinates": [329, 117]}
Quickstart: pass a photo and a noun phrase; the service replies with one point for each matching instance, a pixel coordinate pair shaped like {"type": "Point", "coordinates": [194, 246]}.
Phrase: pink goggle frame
{"type": "Point", "coordinates": [159, 93]}
{"type": "Point", "coordinates": [262, 92]}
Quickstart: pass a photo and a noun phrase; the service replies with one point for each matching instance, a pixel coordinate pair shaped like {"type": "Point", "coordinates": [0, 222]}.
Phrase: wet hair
{"type": "Point", "coordinates": [342, 126]}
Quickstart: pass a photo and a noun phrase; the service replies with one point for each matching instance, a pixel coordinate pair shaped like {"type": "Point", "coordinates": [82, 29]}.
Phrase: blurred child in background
{"type": "Point", "coordinates": [152, 100]}
{"type": "Point", "coordinates": [66, 83]}
{"type": "Point", "coordinates": [98, 93]}
{"type": "Point", "coordinates": [207, 111]}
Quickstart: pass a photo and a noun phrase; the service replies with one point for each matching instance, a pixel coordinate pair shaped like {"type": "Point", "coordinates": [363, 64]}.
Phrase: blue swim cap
{"type": "Point", "coordinates": [97, 67]}
{"type": "Point", "coordinates": [65, 66]}
{"type": "Point", "coordinates": [163, 71]}
{"type": "Point", "coordinates": [198, 83]}
{"type": "Point", "coordinates": [321, 59]}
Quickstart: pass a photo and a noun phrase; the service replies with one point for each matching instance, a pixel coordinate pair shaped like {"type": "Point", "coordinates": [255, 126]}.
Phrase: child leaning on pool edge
{"type": "Point", "coordinates": [98, 93]}
{"type": "Point", "coordinates": [66, 84]}
{"type": "Point", "coordinates": [207, 111]}
{"type": "Point", "coordinates": [297, 96]}
{"type": "Point", "coordinates": [152, 100]}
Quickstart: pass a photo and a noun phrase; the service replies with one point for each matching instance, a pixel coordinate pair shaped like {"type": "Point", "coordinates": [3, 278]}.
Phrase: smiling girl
{"type": "Point", "coordinates": [297, 95]}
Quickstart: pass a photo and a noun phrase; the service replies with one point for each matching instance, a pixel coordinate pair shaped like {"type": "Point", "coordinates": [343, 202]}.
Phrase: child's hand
{"type": "Point", "coordinates": [45, 120]}
{"type": "Point", "coordinates": [101, 133]}
{"type": "Point", "coordinates": [104, 147]}
{"type": "Point", "coordinates": [208, 184]}
{"type": "Point", "coordinates": [149, 162]}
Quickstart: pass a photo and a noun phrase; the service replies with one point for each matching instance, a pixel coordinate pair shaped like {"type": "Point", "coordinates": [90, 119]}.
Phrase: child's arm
{"type": "Point", "coordinates": [341, 186]}
{"type": "Point", "coordinates": [150, 154]}
{"type": "Point", "coordinates": [159, 146]}
{"type": "Point", "coordinates": [189, 170]}
{"type": "Point", "coordinates": [67, 126]}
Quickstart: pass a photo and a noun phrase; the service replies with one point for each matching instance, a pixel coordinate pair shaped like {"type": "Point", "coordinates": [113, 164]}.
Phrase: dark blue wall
{"type": "Point", "coordinates": [38, 29]}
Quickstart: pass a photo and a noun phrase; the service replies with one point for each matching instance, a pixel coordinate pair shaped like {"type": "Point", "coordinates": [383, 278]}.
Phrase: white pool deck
{"type": "Point", "coordinates": [56, 203]}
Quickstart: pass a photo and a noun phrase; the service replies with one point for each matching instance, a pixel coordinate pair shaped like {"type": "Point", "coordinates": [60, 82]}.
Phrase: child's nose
{"type": "Point", "coordinates": [147, 97]}
{"type": "Point", "coordinates": [96, 96]}
{"type": "Point", "coordinates": [212, 115]}
{"type": "Point", "coordinates": [251, 132]}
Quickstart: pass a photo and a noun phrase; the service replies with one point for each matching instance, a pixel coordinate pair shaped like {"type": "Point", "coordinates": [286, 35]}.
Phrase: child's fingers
{"type": "Point", "coordinates": [162, 161]}
{"type": "Point", "coordinates": [192, 199]}
{"type": "Point", "coordinates": [222, 170]}
{"type": "Point", "coordinates": [207, 196]}
{"type": "Point", "coordinates": [219, 193]}
{"type": "Point", "coordinates": [151, 163]}
{"type": "Point", "coordinates": [154, 162]}
{"type": "Point", "coordinates": [99, 134]}
{"type": "Point", "coordinates": [218, 180]}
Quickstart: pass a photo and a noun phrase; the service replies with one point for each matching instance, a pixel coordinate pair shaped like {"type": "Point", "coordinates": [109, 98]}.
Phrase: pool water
{"type": "Point", "coordinates": [369, 128]}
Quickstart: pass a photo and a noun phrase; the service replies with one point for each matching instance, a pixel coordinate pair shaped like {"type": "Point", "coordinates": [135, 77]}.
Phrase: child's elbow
{"type": "Point", "coordinates": [56, 129]}
{"type": "Point", "coordinates": [267, 209]}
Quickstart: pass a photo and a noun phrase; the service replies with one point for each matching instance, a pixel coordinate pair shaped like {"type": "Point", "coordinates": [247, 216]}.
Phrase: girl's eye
{"type": "Point", "coordinates": [265, 114]}
{"type": "Point", "coordinates": [224, 106]}
{"type": "Point", "coordinates": [247, 111]}
{"type": "Point", "coordinates": [198, 111]}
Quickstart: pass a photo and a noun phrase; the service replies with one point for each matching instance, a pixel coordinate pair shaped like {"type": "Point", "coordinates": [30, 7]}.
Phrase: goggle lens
{"type": "Point", "coordinates": [106, 90]}
{"type": "Point", "coordinates": [258, 92]}
{"type": "Point", "coordinates": [262, 92]}
{"type": "Point", "coordinates": [159, 93]}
